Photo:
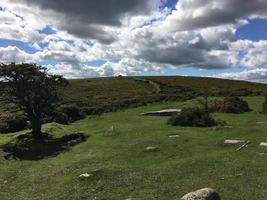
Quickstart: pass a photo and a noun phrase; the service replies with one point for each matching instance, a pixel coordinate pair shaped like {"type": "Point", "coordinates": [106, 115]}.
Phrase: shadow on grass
{"type": "Point", "coordinates": [24, 147]}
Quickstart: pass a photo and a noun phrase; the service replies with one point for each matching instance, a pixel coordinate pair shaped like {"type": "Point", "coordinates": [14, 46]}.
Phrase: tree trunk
{"type": "Point", "coordinates": [36, 128]}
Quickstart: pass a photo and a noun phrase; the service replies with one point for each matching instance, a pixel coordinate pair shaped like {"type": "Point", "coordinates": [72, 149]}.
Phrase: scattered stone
{"type": "Point", "coordinates": [151, 149]}
{"type": "Point", "coordinates": [263, 144]}
{"type": "Point", "coordinates": [97, 171]}
{"type": "Point", "coordinates": [234, 141]}
{"type": "Point", "coordinates": [112, 130]}
{"type": "Point", "coordinates": [263, 154]}
{"type": "Point", "coordinates": [85, 175]}
{"type": "Point", "coordinates": [74, 142]}
{"type": "Point", "coordinates": [173, 136]}
{"type": "Point", "coordinates": [167, 112]}
{"type": "Point", "coordinates": [202, 194]}
{"type": "Point", "coordinates": [74, 138]}
{"type": "Point", "coordinates": [261, 122]}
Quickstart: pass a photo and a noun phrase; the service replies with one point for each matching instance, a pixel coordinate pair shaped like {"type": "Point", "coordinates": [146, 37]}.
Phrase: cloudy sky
{"type": "Point", "coordinates": [81, 38]}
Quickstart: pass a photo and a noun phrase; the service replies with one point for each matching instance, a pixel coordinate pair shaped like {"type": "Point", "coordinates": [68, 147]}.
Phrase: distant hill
{"type": "Point", "coordinates": [95, 96]}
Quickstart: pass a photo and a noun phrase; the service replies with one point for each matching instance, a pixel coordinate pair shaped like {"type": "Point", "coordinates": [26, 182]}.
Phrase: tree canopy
{"type": "Point", "coordinates": [33, 89]}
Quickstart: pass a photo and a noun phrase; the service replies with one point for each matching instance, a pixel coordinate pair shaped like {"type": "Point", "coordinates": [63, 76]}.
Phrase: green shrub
{"type": "Point", "coordinates": [192, 117]}
{"type": "Point", "coordinates": [230, 105]}
{"type": "Point", "coordinates": [68, 113]}
{"type": "Point", "coordinates": [12, 122]}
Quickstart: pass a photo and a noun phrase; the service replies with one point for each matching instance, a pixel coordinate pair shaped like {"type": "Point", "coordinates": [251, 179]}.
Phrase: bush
{"type": "Point", "coordinates": [68, 113]}
{"type": "Point", "coordinates": [192, 117]}
{"type": "Point", "coordinates": [230, 105]}
{"type": "Point", "coordinates": [12, 122]}
{"type": "Point", "coordinates": [264, 106]}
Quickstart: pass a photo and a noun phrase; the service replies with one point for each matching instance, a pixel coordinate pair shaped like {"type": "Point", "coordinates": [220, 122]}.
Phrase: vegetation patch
{"type": "Point", "coordinates": [230, 105]}
{"type": "Point", "coordinates": [192, 117]}
{"type": "Point", "coordinates": [100, 95]}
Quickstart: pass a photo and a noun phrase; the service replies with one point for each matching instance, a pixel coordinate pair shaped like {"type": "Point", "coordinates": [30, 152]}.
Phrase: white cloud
{"type": "Point", "coordinates": [259, 74]}
{"type": "Point", "coordinates": [125, 67]}
{"type": "Point", "coordinates": [138, 36]}
{"type": "Point", "coordinates": [255, 54]}
{"type": "Point", "coordinates": [14, 54]}
{"type": "Point", "coordinates": [15, 28]}
{"type": "Point", "coordinates": [198, 14]}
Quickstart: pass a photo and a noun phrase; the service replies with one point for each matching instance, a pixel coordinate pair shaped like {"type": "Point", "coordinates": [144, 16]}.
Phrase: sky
{"type": "Point", "coordinates": [96, 38]}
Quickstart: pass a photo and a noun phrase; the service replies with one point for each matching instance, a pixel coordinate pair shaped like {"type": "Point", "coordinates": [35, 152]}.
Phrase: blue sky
{"type": "Point", "coordinates": [153, 37]}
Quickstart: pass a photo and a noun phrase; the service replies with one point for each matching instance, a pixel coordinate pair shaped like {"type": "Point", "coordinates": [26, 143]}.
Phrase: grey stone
{"type": "Point", "coordinates": [234, 141]}
{"type": "Point", "coordinates": [173, 136]}
{"type": "Point", "coordinates": [202, 194]}
{"type": "Point", "coordinates": [85, 175]}
{"type": "Point", "coordinates": [263, 144]}
{"type": "Point", "coordinates": [151, 149]}
{"type": "Point", "coordinates": [166, 112]}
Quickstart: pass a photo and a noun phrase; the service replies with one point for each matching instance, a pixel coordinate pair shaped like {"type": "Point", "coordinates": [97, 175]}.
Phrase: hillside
{"type": "Point", "coordinates": [95, 96]}
{"type": "Point", "coordinates": [120, 167]}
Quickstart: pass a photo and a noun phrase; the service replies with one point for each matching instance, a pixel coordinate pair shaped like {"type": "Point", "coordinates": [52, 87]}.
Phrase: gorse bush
{"type": "Point", "coordinates": [230, 105]}
{"type": "Point", "coordinates": [192, 117]}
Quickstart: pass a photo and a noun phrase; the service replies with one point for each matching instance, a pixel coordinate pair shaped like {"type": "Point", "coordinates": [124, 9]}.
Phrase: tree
{"type": "Point", "coordinates": [33, 89]}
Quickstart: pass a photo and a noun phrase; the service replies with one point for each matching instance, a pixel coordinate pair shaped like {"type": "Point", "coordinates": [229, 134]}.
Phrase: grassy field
{"type": "Point", "coordinates": [121, 168]}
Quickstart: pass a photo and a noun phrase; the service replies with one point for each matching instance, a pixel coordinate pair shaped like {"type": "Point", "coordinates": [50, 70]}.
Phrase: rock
{"type": "Point", "coordinates": [73, 139]}
{"type": "Point", "coordinates": [151, 149]}
{"type": "Point", "coordinates": [263, 144]}
{"type": "Point", "coordinates": [173, 136]}
{"type": "Point", "coordinates": [202, 194]}
{"type": "Point", "coordinates": [85, 175]}
{"type": "Point", "coordinates": [261, 122]}
{"type": "Point", "coordinates": [234, 141]}
{"type": "Point", "coordinates": [167, 112]}
{"type": "Point", "coordinates": [74, 142]}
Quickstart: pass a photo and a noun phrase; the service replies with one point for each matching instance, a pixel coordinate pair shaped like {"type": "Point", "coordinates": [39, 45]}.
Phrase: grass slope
{"type": "Point", "coordinates": [212, 86]}
{"type": "Point", "coordinates": [195, 160]}
{"type": "Point", "coordinates": [95, 96]}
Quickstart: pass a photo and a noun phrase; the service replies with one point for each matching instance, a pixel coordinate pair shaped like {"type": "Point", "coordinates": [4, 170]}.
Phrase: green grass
{"type": "Point", "coordinates": [195, 160]}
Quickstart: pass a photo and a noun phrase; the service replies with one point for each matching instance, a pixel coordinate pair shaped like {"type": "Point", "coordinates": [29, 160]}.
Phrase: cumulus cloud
{"type": "Point", "coordinates": [14, 54]}
{"type": "Point", "coordinates": [259, 74]}
{"type": "Point", "coordinates": [14, 27]}
{"type": "Point", "coordinates": [206, 48]}
{"type": "Point", "coordinates": [255, 53]}
{"type": "Point", "coordinates": [195, 14]}
{"type": "Point", "coordinates": [91, 19]}
{"type": "Point", "coordinates": [126, 67]}
{"type": "Point", "coordinates": [132, 37]}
